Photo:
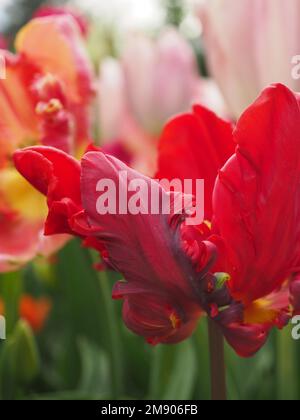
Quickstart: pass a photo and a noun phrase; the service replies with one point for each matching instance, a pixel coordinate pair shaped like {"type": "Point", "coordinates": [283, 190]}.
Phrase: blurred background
{"type": "Point", "coordinates": [66, 338]}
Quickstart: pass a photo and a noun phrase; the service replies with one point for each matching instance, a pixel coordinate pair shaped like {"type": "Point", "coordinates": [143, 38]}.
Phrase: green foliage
{"type": "Point", "coordinates": [19, 362]}
{"type": "Point", "coordinates": [175, 11]}
{"type": "Point", "coordinates": [85, 352]}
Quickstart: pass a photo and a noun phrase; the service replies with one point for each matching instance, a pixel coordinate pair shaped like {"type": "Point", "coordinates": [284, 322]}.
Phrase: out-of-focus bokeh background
{"type": "Point", "coordinates": [74, 344]}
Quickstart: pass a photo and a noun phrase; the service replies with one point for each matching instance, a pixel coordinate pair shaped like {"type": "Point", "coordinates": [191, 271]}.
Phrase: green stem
{"type": "Point", "coordinates": [217, 362]}
{"type": "Point", "coordinates": [203, 380]}
{"type": "Point", "coordinates": [156, 371]}
{"type": "Point", "coordinates": [113, 332]}
{"type": "Point", "coordinates": [287, 376]}
{"type": "Point", "coordinates": [11, 288]}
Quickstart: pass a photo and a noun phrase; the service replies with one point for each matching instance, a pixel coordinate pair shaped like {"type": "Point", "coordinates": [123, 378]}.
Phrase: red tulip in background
{"type": "Point", "coordinates": [173, 272]}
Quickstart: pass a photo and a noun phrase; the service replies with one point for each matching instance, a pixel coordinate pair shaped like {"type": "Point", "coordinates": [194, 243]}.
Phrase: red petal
{"type": "Point", "coordinates": [295, 294]}
{"type": "Point", "coordinates": [195, 146]}
{"type": "Point", "coordinates": [246, 339]}
{"type": "Point", "coordinates": [147, 251]}
{"type": "Point", "coordinates": [56, 175]}
{"type": "Point", "coordinates": [257, 196]}
{"type": "Point", "coordinates": [41, 166]}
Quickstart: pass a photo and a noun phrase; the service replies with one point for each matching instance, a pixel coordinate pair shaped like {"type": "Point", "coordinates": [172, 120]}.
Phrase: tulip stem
{"type": "Point", "coordinates": [11, 287]}
{"type": "Point", "coordinates": [217, 362]}
{"type": "Point", "coordinates": [113, 331]}
{"type": "Point", "coordinates": [114, 338]}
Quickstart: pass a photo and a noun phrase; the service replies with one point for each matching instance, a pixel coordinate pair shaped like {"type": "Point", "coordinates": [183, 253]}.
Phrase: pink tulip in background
{"type": "Point", "coordinates": [250, 44]}
{"type": "Point", "coordinates": [153, 81]}
{"type": "Point", "coordinates": [3, 42]}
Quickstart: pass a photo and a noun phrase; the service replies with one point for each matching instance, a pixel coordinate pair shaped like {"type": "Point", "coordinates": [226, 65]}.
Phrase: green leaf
{"type": "Point", "coordinates": [82, 293]}
{"type": "Point", "coordinates": [174, 372]}
{"type": "Point", "coordinates": [251, 379]}
{"type": "Point", "coordinates": [11, 287]}
{"type": "Point", "coordinates": [92, 313]}
{"type": "Point", "coordinates": [19, 361]}
{"type": "Point", "coordinates": [286, 366]}
{"type": "Point", "coordinates": [95, 369]}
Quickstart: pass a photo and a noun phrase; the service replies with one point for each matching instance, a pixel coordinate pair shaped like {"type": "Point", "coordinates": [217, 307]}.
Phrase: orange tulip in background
{"type": "Point", "coordinates": [34, 311]}
{"type": "Point", "coordinates": [45, 99]}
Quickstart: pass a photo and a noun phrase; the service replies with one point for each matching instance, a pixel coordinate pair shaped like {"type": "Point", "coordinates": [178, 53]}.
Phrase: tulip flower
{"type": "Point", "coordinates": [161, 300]}
{"type": "Point", "coordinates": [81, 20]}
{"type": "Point", "coordinates": [248, 46]}
{"type": "Point", "coordinates": [254, 208]}
{"type": "Point", "coordinates": [45, 99]}
{"type": "Point", "coordinates": [34, 311]}
{"type": "Point", "coordinates": [3, 42]}
{"type": "Point", "coordinates": [175, 272]}
{"type": "Point", "coordinates": [152, 81]}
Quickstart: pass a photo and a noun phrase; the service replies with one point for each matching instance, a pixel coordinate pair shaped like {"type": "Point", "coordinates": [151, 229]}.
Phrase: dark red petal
{"type": "Point", "coordinates": [145, 240]}
{"type": "Point", "coordinates": [145, 249]}
{"type": "Point", "coordinates": [246, 340]}
{"type": "Point", "coordinates": [157, 317]}
{"type": "Point", "coordinates": [195, 146]}
{"type": "Point", "coordinates": [257, 196]}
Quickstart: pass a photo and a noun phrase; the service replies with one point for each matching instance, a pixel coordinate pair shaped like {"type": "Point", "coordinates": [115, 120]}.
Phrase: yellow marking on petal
{"type": "Point", "coordinates": [21, 197]}
{"type": "Point", "coordinates": [260, 312]}
{"type": "Point", "coordinates": [267, 309]}
{"type": "Point", "coordinates": [48, 80]}
{"type": "Point", "coordinates": [81, 149]}
{"type": "Point", "coordinates": [175, 320]}
{"type": "Point", "coordinates": [208, 224]}
{"type": "Point", "coordinates": [51, 107]}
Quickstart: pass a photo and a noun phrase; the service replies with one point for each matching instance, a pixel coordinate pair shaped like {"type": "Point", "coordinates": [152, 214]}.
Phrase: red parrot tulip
{"type": "Point", "coordinates": [255, 207]}
{"type": "Point", "coordinates": [161, 300]}
{"type": "Point", "coordinates": [174, 272]}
